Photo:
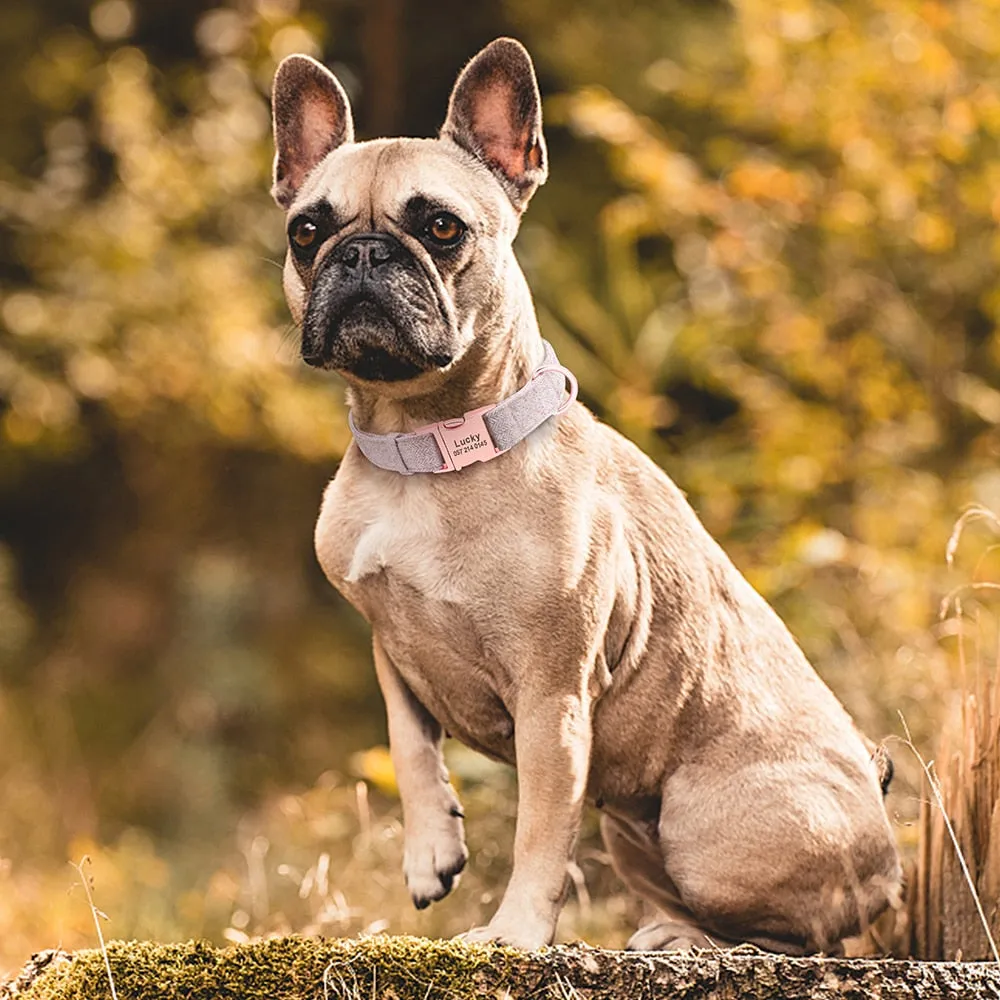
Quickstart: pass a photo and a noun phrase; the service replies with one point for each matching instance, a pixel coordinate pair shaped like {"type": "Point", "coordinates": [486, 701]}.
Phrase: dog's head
{"type": "Point", "coordinates": [399, 250]}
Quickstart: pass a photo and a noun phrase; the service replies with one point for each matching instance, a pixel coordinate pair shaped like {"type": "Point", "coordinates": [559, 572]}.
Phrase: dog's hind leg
{"type": "Point", "coordinates": [638, 861]}
{"type": "Point", "coordinates": [791, 855]}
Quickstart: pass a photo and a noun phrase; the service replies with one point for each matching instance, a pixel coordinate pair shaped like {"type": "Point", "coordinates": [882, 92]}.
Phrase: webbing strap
{"type": "Point", "coordinates": [435, 448]}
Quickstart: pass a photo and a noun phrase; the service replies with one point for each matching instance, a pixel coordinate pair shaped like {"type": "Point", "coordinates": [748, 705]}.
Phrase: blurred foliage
{"type": "Point", "coordinates": [768, 248]}
{"type": "Point", "coordinates": [325, 860]}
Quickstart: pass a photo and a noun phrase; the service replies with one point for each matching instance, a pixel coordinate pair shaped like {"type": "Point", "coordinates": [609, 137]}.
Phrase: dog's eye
{"type": "Point", "coordinates": [445, 229]}
{"type": "Point", "coordinates": [303, 233]}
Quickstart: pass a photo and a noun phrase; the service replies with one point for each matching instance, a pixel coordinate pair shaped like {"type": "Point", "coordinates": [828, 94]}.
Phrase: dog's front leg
{"type": "Point", "coordinates": [435, 849]}
{"type": "Point", "coordinates": [552, 736]}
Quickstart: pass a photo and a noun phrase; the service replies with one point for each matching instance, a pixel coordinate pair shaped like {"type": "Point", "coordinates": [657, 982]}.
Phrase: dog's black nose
{"type": "Point", "coordinates": [368, 251]}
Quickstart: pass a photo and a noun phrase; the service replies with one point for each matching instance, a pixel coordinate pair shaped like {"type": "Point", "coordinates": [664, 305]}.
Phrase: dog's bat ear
{"type": "Point", "coordinates": [312, 116]}
{"type": "Point", "coordinates": [495, 113]}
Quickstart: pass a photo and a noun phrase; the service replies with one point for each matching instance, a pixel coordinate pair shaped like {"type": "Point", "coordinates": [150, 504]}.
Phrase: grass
{"type": "Point", "coordinates": [97, 915]}
{"type": "Point", "coordinates": [932, 781]}
{"type": "Point", "coordinates": [954, 896]}
{"type": "Point", "coordinates": [325, 860]}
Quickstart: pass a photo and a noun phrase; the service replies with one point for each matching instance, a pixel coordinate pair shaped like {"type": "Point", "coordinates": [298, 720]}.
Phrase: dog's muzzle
{"type": "Point", "coordinates": [373, 312]}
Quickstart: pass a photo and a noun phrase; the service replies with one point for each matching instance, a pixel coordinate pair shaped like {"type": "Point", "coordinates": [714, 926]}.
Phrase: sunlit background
{"type": "Point", "coordinates": [769, 250]}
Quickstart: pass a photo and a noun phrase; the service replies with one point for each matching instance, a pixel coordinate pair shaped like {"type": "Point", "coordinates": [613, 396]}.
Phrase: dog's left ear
{"type": "Point", "coordinates": [495, 113]}
{"type": "Point", "coordinates": [312, 116]}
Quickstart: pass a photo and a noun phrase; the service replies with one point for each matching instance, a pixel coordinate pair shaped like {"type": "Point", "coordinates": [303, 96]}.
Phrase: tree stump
{"type": "Point", "coordinates": [397, 968]}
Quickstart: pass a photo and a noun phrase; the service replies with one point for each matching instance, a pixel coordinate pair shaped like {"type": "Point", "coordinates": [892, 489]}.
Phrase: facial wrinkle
{"type": "Point", "coordinates": [374, 187]}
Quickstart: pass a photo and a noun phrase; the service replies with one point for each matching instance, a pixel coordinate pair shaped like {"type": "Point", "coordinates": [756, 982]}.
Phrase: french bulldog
{"type": "Point", "coordinates": [559, 607]}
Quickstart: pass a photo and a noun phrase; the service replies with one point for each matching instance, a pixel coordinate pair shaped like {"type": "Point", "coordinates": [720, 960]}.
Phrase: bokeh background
{"type": "Point", "coordinates": [768, 248]}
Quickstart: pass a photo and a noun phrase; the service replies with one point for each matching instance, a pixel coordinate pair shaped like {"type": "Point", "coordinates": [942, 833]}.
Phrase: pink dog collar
{"type": "Point", "coordinates": [476, 436]}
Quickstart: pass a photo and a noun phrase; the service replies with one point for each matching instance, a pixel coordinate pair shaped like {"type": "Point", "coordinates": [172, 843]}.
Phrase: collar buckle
{"type": "Point", "coordinates": [463, 440]}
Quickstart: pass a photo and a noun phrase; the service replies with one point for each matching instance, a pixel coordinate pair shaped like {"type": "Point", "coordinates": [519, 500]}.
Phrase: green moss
{"type": "Point", "coordinates": [292, 968]}
{"type": "Point", "coordinates": [404, 968]}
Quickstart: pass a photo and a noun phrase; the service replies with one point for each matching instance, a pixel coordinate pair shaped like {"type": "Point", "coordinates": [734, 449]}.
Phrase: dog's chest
{"type": "Point", "coordinates": [386, 525]}
{"type": "Point", "coordinates": [393, 552]}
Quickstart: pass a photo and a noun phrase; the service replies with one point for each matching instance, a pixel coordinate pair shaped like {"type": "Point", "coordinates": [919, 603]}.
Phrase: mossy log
{"type": "Point", "coordinates": [389, 968]}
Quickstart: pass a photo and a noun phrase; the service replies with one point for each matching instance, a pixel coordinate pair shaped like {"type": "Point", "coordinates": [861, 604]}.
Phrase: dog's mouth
{"type": "Point", "coordinates": [378, 365]}
{"type": "Point", "coordinates": [363, 340]}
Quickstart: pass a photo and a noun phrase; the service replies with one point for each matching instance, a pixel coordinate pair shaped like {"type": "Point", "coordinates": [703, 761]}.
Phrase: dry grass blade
{"type": "Point", "coordinates": [96, 914]}
{"type": "Point", "coordinates": [949, 600]}
{"type": "Point", "coordinates": [976, 512]}
{"type": "Point", "coordinates": [935, 787]}
{"type": "Point", "coordinates": [959, 855]}
{"type": "Point", "coordinates": [565, 990]}
{"type": "Point", "coordinates": [344, 992]}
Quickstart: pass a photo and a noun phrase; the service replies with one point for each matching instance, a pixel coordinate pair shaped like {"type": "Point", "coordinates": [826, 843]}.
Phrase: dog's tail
{"type": "Point", "coordinates": [884, 767]}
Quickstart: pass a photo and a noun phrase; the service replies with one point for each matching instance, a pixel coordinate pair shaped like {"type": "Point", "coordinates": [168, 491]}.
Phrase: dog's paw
{"type": "Point", "coordinates": [669, 935]}
{"type": "Point", "coordinates": [512, 937]}
{"type": "Point", "coordinates": [434, 855]}
{"type": "Point", "coordinates": [480, 935]}
{"type": "Point", "coordinates": [528, 932]}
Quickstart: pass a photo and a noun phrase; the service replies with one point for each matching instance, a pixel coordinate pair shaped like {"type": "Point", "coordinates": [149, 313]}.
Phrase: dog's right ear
{"type": "Point", "coordinates": [312, 116]}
